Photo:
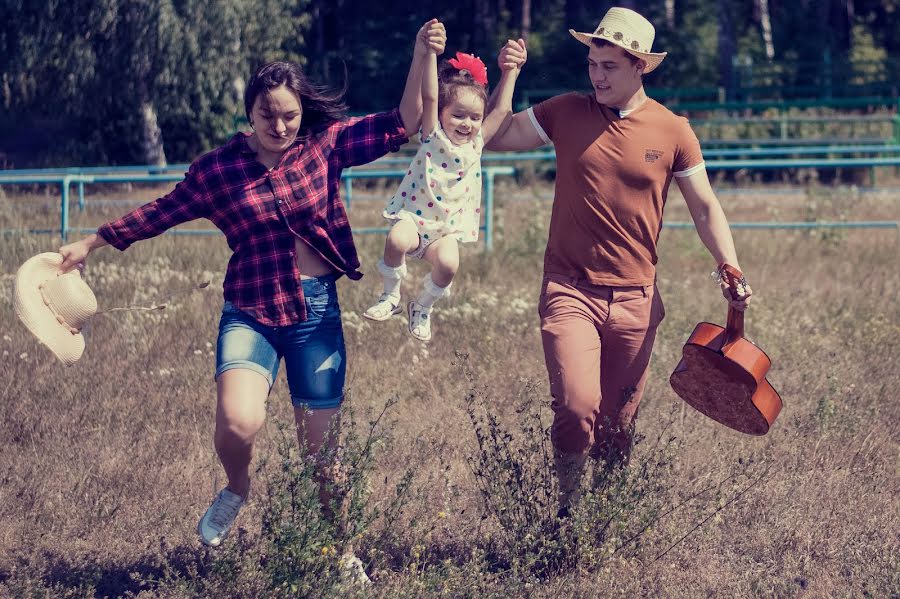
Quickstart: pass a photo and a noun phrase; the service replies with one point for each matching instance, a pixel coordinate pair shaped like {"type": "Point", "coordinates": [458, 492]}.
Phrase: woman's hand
{"type": "Point", "coordinates": [513, 55]}
{"type": "Point", "coordinates": [74, 254]}
{"type": "Point", "coordinates": [432, 37]}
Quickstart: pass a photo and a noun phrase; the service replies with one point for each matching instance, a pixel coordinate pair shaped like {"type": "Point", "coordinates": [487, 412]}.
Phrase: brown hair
{"type": "Point", "coordinates": [451, 80]}
{"type": "Point", "coordinates": [321, 106]}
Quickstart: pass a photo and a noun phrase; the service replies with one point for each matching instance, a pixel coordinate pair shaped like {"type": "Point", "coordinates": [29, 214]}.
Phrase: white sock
{"type": "Point", "coordinates": [392, 276]}
{"type": "Point", "coordinates": [431, 293]}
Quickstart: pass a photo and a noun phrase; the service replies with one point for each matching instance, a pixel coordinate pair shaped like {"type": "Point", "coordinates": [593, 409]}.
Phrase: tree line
{"type": "Point", "coordinates": [148, 81]}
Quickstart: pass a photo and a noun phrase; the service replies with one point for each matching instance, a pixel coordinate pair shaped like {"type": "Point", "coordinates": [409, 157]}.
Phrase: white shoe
{"type": "Point", "coordinates": [216, 522]}
{"type": "Point", "coordinates": [352, 571]}
{"type": "Point", "coordinates": [419, 321]}
{"type": "Point", "coordinates": [386, 306]}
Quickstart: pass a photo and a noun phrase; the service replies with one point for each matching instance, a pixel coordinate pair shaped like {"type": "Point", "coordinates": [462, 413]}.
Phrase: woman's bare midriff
{"type": "Point", "coordinates": [310, 262]}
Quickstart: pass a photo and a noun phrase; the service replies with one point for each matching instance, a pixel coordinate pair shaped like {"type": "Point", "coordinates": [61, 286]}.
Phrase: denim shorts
{"type": "Point", "coordinates": [315, 358]}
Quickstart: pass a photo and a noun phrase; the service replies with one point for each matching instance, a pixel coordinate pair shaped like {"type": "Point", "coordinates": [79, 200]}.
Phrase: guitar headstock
{"type": "Point", "coordinates": [733, 278]}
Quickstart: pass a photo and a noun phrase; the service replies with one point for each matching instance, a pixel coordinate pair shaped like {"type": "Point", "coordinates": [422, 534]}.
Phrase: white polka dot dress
{"type": "Point", "coordinates": [441, 192]}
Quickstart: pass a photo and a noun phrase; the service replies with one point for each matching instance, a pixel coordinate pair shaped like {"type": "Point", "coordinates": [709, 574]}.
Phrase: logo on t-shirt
{"type": "Point", "coordinates": [652, 155]}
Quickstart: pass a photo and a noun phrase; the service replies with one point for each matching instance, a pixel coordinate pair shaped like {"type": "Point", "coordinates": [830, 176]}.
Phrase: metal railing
{"type": "Point", "coordinates": [710, 153]}
{"type": "Point", "coordinates": [66, 181]}
{"type": "Point", "coordinates": [804, 147]}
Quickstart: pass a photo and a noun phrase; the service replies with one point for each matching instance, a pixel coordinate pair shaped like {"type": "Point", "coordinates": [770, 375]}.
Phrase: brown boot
{"type": "Point", "coordinates": [569, 469]}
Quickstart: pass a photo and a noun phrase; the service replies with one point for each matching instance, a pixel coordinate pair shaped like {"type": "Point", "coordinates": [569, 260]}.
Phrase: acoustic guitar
{"type": "Point", "coordinates": [723, 374]}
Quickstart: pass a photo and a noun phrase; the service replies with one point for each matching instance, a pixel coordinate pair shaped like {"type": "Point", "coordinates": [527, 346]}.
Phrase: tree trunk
{"type": "Point", "coordinates": [670, 14]}
{"type": "Point", "coordinates": [765, 23]}
{"type": "Point", "coordinates": [526, 19]}
{"type": "Point", "coordinates": [833, 18]}
{"type": "Point", "coordinates": [482, 26]}
{"type": "Point", "coordinates": [151, 136]}
{"type": "Point", "coordinates": [578, 17]}
{"type": "Point", "coordinates": [726, 48]}
{"type": "Point", "coordinates": [140, 36]}
{"type": "Point", "coordinates": [840, 22]}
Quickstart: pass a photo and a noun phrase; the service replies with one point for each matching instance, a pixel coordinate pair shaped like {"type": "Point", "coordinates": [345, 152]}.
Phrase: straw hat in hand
{"type": "Point", "coordinates": [54, 307]}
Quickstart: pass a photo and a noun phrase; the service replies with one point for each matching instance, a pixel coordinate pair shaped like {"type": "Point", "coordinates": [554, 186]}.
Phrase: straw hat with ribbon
{"type": "Point", "coordinates": [54, 307]}
{"type": "Point", "coordinates": [628, 30]}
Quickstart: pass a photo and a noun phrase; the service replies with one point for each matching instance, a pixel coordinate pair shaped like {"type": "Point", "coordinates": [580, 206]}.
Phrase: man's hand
{"type": "Point", "coordinates": [743, 292]}
{"type": "Point", "coordinates": [513, 55]}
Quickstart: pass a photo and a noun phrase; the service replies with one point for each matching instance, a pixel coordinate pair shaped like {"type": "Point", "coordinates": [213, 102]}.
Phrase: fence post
{"type": "Point", "coordinates": [489, 209]}
{"type": "Point", "coordinates": [348, 191]}
{"type": "Point", "coordinates": [736, 84]}
{"type": "Point", "coordinates": [81, 196]}
{"type": "Point", "coordinates": [897, 124]}
{"type": "Point", "coordinates": [64, 209]}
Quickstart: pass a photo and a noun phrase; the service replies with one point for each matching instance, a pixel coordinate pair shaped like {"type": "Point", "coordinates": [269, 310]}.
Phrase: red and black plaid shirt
{"type": "Point", "coordinates": [263, 212]}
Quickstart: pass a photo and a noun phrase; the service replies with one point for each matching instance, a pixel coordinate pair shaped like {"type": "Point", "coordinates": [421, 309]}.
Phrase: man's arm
{"type": "Point", "coordinates": [501, 111]}
{"type": "Point", "coordinates": [516, 133]}
{"type": "Point", "coordinates": [711, 224]}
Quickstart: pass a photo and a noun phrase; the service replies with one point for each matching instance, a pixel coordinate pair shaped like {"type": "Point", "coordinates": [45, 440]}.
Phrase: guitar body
{"type": "Point", "coordinates": [731, 389]}
{"type": "Point", "coordinates": [723, 375]}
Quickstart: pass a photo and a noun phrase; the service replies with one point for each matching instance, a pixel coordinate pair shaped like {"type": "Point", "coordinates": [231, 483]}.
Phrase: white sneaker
{"type": "Point", "coordinates": [419, 321]}
{"type": "Point", "coordinates": [216, 522]}
{"type": "Point", "coordinates": [352, 571]}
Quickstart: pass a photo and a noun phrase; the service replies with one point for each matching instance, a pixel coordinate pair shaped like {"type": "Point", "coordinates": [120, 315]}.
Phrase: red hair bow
{"type": "Point", "coordinates": [472, 64]}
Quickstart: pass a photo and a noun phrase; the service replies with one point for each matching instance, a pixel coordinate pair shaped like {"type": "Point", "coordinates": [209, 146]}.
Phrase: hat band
{"type": "Point", "coordinates": [59, 317]}
{"type": "Point", "coordinates": [621, 39]}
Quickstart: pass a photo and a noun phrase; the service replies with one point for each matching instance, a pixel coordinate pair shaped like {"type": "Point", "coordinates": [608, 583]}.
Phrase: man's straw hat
{"type": "Point", "coordinates": [628, 30]}
{"type": "Point", "coordinates": [54, 307]}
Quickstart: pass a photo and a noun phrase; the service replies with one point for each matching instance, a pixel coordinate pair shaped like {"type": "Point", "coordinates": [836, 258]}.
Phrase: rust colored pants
{"type": "Point", "coordinates": [597, 345]}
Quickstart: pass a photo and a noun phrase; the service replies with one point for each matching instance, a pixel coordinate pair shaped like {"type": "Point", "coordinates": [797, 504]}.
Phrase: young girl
{"type": "Point", "coordinates": [438, 202]}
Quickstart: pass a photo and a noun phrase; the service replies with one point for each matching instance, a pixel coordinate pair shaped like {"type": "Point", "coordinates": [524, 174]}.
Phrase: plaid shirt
{"type": "Point", "coordinates": [263, 212]}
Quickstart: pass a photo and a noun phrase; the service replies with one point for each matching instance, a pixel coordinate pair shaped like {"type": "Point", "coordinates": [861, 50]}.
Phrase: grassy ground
{"type": "Point", "coordinates": [106, 466]}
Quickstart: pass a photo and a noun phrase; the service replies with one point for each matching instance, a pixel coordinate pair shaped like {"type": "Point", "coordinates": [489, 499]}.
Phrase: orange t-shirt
{"type": "Point", "coordinates": [612, 177]}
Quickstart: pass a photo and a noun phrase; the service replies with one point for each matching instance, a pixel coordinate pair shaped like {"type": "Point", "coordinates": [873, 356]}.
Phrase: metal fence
{"type": "Point", "coordinates": [67, 181]}
{"type": "Point", "coordinates": [750, 159]}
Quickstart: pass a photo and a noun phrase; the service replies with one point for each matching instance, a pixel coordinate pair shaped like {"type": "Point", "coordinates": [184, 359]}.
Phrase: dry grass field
{"type": "Point", "coordinates": [106, 466]}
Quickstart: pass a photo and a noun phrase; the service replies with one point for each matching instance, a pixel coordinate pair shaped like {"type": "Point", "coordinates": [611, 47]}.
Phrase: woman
{"type": "Point", "coordinates": [275, 194]}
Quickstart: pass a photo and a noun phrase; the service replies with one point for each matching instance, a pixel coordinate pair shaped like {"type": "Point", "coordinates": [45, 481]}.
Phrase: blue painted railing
{"type": "Point", "coordinates": [709, 154]}
{"type": "Point", "coordinates": [67, 180]}
{"type": "Point", "coordinates": [886, 150]}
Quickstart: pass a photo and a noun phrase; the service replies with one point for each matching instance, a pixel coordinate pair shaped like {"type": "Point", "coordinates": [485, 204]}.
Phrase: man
{"type": "Point", "coordinates": [617, 151]}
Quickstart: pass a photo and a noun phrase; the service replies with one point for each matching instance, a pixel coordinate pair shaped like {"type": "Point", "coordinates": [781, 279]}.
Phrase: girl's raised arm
{"type": "Point", "coordinates": [430, 94]}
{"type": "Point", "coordinates": [512, 58]}
{"type": "Point", "coordinates": [430, 40]}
